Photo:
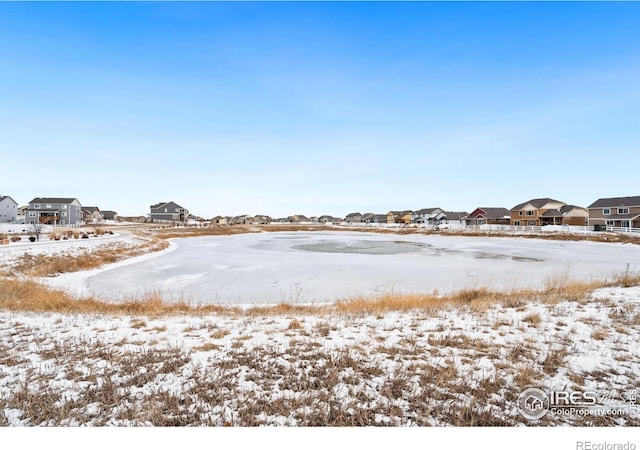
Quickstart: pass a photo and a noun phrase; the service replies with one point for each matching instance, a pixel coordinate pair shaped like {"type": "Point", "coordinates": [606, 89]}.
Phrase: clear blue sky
{"type": "Point", "coordinates": [319, 108]}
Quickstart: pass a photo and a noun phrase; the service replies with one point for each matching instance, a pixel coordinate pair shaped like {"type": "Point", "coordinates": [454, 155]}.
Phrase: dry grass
{"type": "Point", "coordinates": [170, 233]}
{"type": "Point", "coordinates": [27, 295]}
{"type": "Point", "coordinates": [48, 265]}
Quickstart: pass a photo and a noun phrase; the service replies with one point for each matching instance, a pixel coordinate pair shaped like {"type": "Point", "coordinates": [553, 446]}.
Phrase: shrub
{"type": "Point", "coordinates": [16, 238]}
{"type": "Point", "coordinates": [32, 238]}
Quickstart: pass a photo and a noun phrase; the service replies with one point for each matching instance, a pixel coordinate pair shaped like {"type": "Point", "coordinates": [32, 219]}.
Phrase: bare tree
{"type": "Point", "coordinates": [37, 229]}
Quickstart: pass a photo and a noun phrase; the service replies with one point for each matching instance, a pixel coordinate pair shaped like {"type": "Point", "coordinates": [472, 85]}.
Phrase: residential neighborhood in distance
{"type": "Point", "coordinates": [612, 213]}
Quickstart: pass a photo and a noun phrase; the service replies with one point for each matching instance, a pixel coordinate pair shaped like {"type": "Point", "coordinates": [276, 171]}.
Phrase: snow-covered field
{"type": "Point", "coordinates": [454, 366]}
{"type": "Point", "coordinates": [325, 266]}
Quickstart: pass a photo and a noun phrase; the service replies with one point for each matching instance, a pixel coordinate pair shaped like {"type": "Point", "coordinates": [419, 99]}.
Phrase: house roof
{"type": "Point", "coordinates": [552, 213]}
{"type": "Point", "coordinates": [566, 208]}
{"type": "Point", "coordinates": [615, 202]}
{"type": "Point", "coordinates": [90, 209]}
{"type": "Point", "coordinates": [560, 212]}
{"type": "Point", "coordinates": [622, 216]}
{"type": "Point", "coordinates": [490, 212]}
{"type": "Point", "coordinates": [60, 200]}
{"type": "Point", "coordinates": [427, 210]}
{"type": "Point", "coordinates": [455, 215]}
{"type": "Point", "coordinates": [2, 197]}
{"type": "Point", "coordinates": [536, 203]}
{"type": "Point", "coordinates": [161, 204]}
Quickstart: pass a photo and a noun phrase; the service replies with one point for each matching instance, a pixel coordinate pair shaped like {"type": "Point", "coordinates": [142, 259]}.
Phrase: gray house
{"type": "Point", "coordinates": [54, 211]}
{"type": "Point", "coordinates": [168, 212]}
{"type": "Point", "coordinates": [110, 215]}
{"type": "Point", "coordinates": [621, 212]}
{"type": "Point", "coordinates": [8, 209]}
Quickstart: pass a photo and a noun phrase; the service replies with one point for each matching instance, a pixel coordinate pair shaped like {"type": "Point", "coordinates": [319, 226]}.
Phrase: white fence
{"type": "Point", "coordinates": [623, 229]}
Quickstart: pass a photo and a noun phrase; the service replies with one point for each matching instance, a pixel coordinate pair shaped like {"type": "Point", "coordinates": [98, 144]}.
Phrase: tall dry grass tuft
{"type": "Point", "coordinates": [47, 265]}
{"type": "Point", "coordinates": [28, 295]}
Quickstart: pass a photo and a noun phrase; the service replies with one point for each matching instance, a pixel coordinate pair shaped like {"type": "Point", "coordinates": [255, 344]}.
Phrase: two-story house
{"type": "Point", "coordinates": [530, 213]}
{"type": "Point", "coordinates": [403, 217]}
{"type": "Point", "coordinates": [168, 212]}
{"type": "Point", "coordinates": [615, 212]}
{"type": "Point", "coordinates": [429, 216]}
{"type": "Point", "coordinates": [54, 211]}
{"type": "Point", "coordinates": [8, 209]}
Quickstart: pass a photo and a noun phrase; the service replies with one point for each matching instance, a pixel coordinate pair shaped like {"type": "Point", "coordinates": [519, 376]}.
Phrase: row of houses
{"type": "Point", "coordinates": [623, 212]}
{"type": "Point", "coordinates": [52, 211]}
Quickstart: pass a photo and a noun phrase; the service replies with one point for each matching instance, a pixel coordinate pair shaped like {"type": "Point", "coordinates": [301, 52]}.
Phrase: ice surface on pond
{"type": "Point", "coordinates": [325, 266]}
{"type": "Point", "coordinates": [363, 247]}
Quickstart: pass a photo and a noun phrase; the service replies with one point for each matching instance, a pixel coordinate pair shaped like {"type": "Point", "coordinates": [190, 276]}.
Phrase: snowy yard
{"type": "Point", "coordinates": [454, 367]}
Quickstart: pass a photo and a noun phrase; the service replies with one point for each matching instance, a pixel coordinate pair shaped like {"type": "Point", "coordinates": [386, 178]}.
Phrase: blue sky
{"type": "Point", "coordinates": [319, 108]}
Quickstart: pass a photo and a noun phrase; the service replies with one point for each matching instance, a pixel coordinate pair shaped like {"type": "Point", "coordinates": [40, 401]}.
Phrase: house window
{"type": "Point", "coordinates": [529, 213]}
{"type": "Point", "coordinates": [610, 223]}
{"type": "Point", "coordinates": [519, 213]}
{"type": "Point", "coordinates": [623, 210]}
{"type": "Point", "coordinates": [532, 223]}
{"type": "Point", "coordinates": [36, 206]}
{"type": "Point", "coordinates": [48, 206]}
{"type": "Point", "coordinates": [64, 206]}
{"type": "Point", "coordinates": [32, 214]}
{"type": "Point", "coordinates": [516, 223]}
{"type": "Point", "coordinates": [64, 214]}
{"type": "Point", "coordinates": [606, 211]}
{"type": "Point", "coordinates": [625, 224]}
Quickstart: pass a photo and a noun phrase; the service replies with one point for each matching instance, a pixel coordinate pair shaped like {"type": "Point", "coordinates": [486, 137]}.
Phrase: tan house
{"type": "Point", "coordinates": [621, 212]}
{"type": "Point", "coordinates": [403, 217]}
{"type": "Point", "coordinates": [567, 215]}
{"type": "Point", "coordinates": [530, 213]}
{"type": "Point", "coordinates": [219, 221]}
{"type": "Point", "coordinates": [91, 214]}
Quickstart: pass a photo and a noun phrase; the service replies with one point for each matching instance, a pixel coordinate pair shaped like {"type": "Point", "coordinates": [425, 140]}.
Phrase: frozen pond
{"type": "Point", "coordinates": [325, 266]}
